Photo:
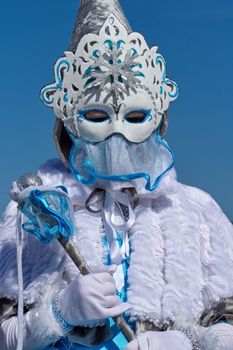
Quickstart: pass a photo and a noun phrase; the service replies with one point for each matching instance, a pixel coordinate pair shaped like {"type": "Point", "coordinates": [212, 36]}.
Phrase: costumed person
{"type": "Point", "coordinates": [160, 253]}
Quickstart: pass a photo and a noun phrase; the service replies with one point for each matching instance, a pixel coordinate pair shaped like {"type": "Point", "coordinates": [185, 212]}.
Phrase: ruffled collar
{"type": "Point", "coordinates": [79, 193]}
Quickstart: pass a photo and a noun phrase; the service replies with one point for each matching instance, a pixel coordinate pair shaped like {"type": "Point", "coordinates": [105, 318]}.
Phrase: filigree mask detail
{"type": "Point", "coordinates": [108, 66]}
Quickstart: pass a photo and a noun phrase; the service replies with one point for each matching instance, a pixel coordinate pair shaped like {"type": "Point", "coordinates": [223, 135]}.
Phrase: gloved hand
{"type": "Point", "coordinates": [170, 340]}
{"type": "Point", "coordinates": [90, 299]}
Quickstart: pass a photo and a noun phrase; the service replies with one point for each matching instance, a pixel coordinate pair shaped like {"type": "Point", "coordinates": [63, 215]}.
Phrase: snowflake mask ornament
{"type": "Point", "coordinates": [117, 74]}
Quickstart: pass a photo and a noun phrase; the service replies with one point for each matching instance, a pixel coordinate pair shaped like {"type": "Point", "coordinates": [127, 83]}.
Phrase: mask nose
{"type": "Point", "coordinates": [118, 128]}
{"type": "Point", "coordinates": [117, 125]}
{"type": "Point", "coordinates": [119, 134]}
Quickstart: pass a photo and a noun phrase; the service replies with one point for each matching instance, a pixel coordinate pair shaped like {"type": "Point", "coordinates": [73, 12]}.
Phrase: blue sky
{"type": "Point", "coordinates": [195, 38]}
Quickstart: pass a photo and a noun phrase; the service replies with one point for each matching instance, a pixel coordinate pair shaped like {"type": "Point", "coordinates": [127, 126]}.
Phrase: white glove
{"type": "Point", "coordinates": [91, 299]}
{"type": "Point", "coordinates": [170, 340]}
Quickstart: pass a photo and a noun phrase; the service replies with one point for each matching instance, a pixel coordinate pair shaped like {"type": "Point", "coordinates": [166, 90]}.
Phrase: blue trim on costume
{"type": "Point", "coordinates": [57, 314]}
{"type": "Point", "coordinates": [118, 342]}
{"type": "Point", "coordinates": [58, 71]}
{"type": "Point", "coordinates": [92, 175]}
{"type": "Point", "coordinates": [125, 265]}
{"type": "Point", "coordinates": [133, 52]}
{"type": "Point", "coordinates": [96, 54]}
{"type": "Point", "coordinates": [167, 81]}
{"type": "Point", "coordinates": [139, 75]}
{"type": "Point", "coordinates": [108, 258]}
{"type": "Point", "coordinates": [88, 71]}
{"type": "Point", "coordinates": [56, 86]}
{"type": "Point", "coordinates": [89, 81]}
{"type": "Point", "coordinates": [119, 43]}
{"type": "Point", "coordinates": [176, 93]}
{"type": "Point", "coordinates": [109, 44]}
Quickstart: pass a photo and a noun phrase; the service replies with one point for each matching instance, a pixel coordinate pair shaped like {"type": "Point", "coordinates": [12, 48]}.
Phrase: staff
{"type": "Point", "coordinates": [33, 181]}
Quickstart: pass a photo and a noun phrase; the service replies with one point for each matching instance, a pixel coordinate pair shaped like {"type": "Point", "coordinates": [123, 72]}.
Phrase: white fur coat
{"type": "Point", "coordinates": [181, 250]}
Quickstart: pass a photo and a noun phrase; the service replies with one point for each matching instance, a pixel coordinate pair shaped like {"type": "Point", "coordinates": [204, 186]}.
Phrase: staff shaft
{"type": "Point", "coordinates": [81, 264]}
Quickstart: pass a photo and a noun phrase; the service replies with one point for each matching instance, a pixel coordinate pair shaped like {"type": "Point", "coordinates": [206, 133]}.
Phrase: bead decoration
{"type": "Point", "coordinates": [56, 309]}
{"type": "Point", "coordinates": [191, 337]}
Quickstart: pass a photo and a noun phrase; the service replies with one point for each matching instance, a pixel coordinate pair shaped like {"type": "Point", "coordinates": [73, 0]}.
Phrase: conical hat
{"type": "Point", "coordinates": [91, 16]}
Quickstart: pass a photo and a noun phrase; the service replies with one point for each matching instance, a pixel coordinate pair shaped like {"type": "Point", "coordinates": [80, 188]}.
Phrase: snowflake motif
{"type": "Point", "coordinates": [112, 64]}
{"type": "Point", "coordinates": [112, 74]}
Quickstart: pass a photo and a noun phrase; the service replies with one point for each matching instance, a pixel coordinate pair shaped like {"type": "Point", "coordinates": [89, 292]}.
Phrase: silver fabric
{"type": "Point", "coordinates": [91, 17]}
{"type": "Point", "coordinates": [8, 308]}
{"type": "Point", "coordinates": [62, 141]}
{"type": "Point", "coordinates": [221, 311]}
{"type": "Point", "coordinates": [164, 125]}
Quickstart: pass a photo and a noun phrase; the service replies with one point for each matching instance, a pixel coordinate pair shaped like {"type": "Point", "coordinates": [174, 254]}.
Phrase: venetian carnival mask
{"type": "Point", "coordinates": [110, 82]}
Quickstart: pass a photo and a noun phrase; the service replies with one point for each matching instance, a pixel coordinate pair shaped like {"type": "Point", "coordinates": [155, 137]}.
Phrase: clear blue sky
{"type": "Point", "coordinates": [194, 36]}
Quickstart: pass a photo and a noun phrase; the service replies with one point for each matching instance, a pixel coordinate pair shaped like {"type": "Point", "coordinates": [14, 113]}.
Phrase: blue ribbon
{"type": "Point", "coordinates": [92, 175]}
{"type": "Point", "coordinates": [45, 222]}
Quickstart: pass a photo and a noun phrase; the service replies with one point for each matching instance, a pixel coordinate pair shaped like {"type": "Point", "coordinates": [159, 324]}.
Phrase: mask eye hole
{"type": "Point", "coordinates": [96, 116]}
{"type": "Point", "coordinates": [136, 117]}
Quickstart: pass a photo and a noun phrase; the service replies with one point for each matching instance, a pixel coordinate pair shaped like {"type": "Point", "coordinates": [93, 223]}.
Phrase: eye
{"type": "Point", "coordinates": [136, 117]}
{"type": "Point", "coordinates": [96, 116]}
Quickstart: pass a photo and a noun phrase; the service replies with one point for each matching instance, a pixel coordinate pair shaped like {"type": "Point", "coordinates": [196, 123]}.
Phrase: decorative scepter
{"type": "Point", "coordinates": [37, 206]}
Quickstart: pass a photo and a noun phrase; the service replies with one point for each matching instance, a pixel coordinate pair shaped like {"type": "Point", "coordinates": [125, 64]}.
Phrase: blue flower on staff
{"type": "Point", "coordinates": [49, 214]}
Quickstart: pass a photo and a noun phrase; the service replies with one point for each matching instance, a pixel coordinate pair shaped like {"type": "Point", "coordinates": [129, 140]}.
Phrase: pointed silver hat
{"type": "Point", "coordinates": [91, 16]}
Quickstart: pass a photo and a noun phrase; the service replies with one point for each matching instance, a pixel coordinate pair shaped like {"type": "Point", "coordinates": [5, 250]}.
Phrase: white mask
{"type": "Point", "coordinates": [135, 119]}
{"type": "Point", "coordinates": [116, 73]}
